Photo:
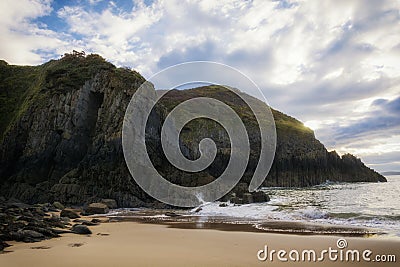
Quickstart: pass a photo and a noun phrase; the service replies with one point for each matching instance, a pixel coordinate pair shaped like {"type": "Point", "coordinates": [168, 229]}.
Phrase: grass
{"type": "Point", "coordinates": [15, 85]}
{"type": "Point", "coordinates": [285, 125]}
{"type": "Point", "coordinates": [24, 87]}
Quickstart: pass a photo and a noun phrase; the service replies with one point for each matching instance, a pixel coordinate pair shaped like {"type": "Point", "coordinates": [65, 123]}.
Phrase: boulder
{"type": "Point", "coordinates": [81, 229]}
{"type": "Point", "coordinates": [96, 208]}
{"type": "Point", "coordinates": [236, 200]}
{"type": "Point", "coordinates": [260, 196]}
{"type": "Point", "coordinates": [240, 189]}
{"type": "Point", "coordinates": [95, 220]}
{"type": "Point", "coordinates": [228, 197]}
{"type": "Point", "coordinates": [65, 219]}
{"type": "Point", "coordinates": [198, 209]}
{"type": "Point", "coordinates": [58, 205]}
{"type": "Point", "coordinates": [69, 213]}
{"type": "Point", "coordinates": [88, 223]}
{"type": "Point", "coordinates": [247, 198]}
{"type": "Point", "coordinates": [27, 236]}
{"type": "Point", "coordinates": [223, 205]}
{"type": "Point", "coordinates": [111, 203]}
{"type": "Point", "coordinates": [3, 245]}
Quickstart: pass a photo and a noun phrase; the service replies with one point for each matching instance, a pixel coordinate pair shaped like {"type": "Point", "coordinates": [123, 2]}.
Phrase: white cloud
{"type": "Point", "coordinates": [320, 61]}
{"type": "Point", "coordinates": [20, 39]}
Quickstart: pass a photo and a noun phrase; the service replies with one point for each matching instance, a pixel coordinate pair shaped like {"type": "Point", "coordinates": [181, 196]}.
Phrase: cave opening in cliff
{"type": "Point", "coordinates": [95, 101]}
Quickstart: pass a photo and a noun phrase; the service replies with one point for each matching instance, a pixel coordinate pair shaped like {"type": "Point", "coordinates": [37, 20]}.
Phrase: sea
{"type": "Point", "coordinates": [329, 208]}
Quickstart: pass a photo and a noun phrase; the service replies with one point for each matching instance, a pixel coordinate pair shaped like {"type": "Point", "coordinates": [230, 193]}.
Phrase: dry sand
{"type": "Point", "coordinates": [138, 244]}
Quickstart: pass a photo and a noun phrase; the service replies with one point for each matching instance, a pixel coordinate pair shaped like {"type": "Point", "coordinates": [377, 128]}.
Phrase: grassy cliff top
{"type": "Point", "coordinates": [284, 124]}
{"type": "Point", "coordinates": [21, 86]}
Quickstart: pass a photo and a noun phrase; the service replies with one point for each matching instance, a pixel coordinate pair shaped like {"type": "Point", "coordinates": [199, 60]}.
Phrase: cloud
{"type": "Point", "coordinates": [332, 63]}
{"type": "Point", "coordinates": [382, 118]}
{"type": "Point", "coordinates": [24, 42]}
{"type": "Point", "coordinates": [374, 137]}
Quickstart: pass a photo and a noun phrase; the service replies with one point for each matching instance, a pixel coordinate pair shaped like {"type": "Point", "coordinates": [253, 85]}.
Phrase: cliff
{"type": "Point", "coordinates": [60, 131]}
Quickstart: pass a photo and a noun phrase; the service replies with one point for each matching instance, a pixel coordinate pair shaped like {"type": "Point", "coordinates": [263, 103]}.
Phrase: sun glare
{"type": "Point", "coordinates": [313, 125]}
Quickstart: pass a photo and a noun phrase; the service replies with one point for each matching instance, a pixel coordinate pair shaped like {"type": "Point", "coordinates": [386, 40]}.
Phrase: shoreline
{"type": "Point", "coordinates": [183, 220]}
{"type": "Point", "coordinates": [128, 243]}
{"type": "Point", "coordinates": [272, 227]}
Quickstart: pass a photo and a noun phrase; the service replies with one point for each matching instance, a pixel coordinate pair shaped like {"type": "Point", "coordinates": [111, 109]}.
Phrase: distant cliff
{"type": "Point", "coordinates": [60, 130]}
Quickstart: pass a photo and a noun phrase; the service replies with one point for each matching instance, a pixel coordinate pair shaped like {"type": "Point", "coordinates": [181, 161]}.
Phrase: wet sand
{"type": "Point", "coordinates": [144, 244]}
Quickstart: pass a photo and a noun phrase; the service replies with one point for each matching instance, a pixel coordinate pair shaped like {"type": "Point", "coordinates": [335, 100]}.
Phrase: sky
{"type": "Point", "coordinates": [334, 65]}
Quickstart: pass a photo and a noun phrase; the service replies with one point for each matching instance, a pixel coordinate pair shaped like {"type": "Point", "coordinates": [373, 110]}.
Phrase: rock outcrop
{"type": "Point", "coordinates": [28, 223]}
{"type": "Point", "coordinates": [60, 132]}
{"type": "Point", "coordinates": [96, 208]}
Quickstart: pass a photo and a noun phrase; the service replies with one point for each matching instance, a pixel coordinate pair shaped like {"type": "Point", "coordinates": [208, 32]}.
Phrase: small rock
{"type": "Point", "coordinates": [97, 208]}
{"type": "Point", "coordinates": [240, 189]}
{"type": "Point", "coordinates": [95, 220]}
{"type": "Point", "coordinates": [85, 222]}
{"type": "Point", "coordinates": [198, 209]}
{"type": "Point", "coordinates": [236, 200]}
{"type": "Point", "coordinates": [40, 247]}
{"type": "Point", "coordinates": [75, 245]}
{"type": "Point", "coordinates": [65, 219]}
{"type": "Point", "coordinates": [111, 203]}
{"type": "Point", "coordinates": [48, 232]}
{"type": "Point", "coordinates": [260, 196]}
{"type": "Point", "coordinates": [228, 197]}
{"type": "Point", "coordinates": [69, 213]}
{"type": "Point", "coordinates": [223, 205]}
{"type": "Point", "coordinates": [171, 214]}
{"type": "Point", "coordinates": [27, 236]}
{"type": "Point", "coordinates": [81, 229]}
{"type": "Point", "coordinates": [247, 198]}
{"type": "Point", "coordinates": [3, 245]}
{"type": "Point", "coordinates": [58, 205]}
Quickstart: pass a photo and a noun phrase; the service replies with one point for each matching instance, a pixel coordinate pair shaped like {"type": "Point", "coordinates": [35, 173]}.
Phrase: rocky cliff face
{"type": "Point", "coordinates": [61, 137]}
{"type": "Point", "coordinates": [300, 159]}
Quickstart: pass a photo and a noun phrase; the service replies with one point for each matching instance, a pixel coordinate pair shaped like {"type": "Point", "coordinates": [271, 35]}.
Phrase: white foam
{"type": "Point", "coordinates": [248, 211]}
{"type": "Point", "coordinates": [311, 213]}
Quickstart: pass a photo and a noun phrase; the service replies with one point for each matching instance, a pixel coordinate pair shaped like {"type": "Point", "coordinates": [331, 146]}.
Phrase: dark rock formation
{"type": "Point", "coordinates": [81, 229]}
{"type": "Point", "coordinates": [96, 208]}
{"type": "Point", "coordinates": [69, 213]}
{"type": "Point", "coordinates": [260, 196]}
{"type": "Point", "coordinates": [247, 198]}
{"type": "Point", "coordinates": [111, 203]}
{"type": "Point", "coordinates": [3, 245]}
{"type": "Point", "coordinates": [300, 159]}
{"type": "Point", "coordinates": [27, 223]}
{"type": "Point", "coordinates": [27, 236]}
{"type": "Point", "coordinates": [58, 205]}
{"type": "Point", "coordinates": [60, 133]}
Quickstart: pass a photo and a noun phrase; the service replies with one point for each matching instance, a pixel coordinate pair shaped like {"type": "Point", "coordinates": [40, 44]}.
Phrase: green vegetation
{"type": "Point", "coordinates": [24, 87]}
{"type": "Point", "coordinates": [73, 70]}
{"type": "Point", "coordinates": [15, 84]}
{"type": "Point", "coordinates": [285, 124]}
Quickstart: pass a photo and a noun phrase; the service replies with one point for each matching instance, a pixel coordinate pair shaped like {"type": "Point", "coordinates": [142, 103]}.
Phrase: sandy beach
{"type": "Point", "coordinates": [142, 244]}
